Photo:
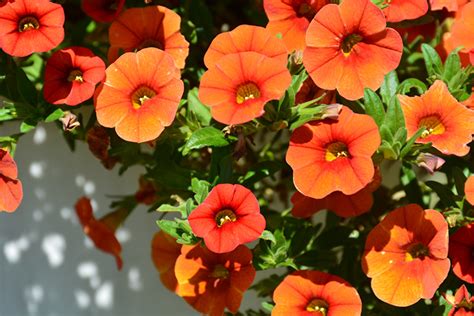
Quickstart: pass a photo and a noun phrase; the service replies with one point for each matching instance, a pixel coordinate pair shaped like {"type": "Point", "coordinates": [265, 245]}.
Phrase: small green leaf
{"type": "Point", "coordinates": [268, 235]}
{"type": "Point", "coordinates": [200, 188]}
{"type": "Point", "coordinates": [452, 66]}
{"type": "Point", "coordinates": [56, 115]}
{"type": "Point", "coordinates": [407, 85]}
{"type": "Point", "coordinates": [373, 106]}
{"type": "Point", "coordinates": [25, 126]}
{"type": "Point", "coordinates": [433, 63]}
{"type": "Point", "coordinates": [389, 86]}
{"type": "Point", "coordinates": [206, 137]}
{"type": "Point", "coordinates": [394, 118]}
{"type": "Point", "coordinates": [201, 111]}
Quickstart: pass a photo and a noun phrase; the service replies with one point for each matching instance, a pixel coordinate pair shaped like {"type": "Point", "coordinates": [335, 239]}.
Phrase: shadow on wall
{"type": "Point", "coordinates": [47, 266]}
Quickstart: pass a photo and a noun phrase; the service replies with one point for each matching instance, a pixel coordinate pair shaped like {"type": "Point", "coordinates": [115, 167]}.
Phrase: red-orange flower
{"type": "Point", "coordinates": [406, 255]}
{"type": "Point", "coordinates": [164, 252]}
{"type": "Point", "coordinates": [291, 18]}
{"type": "Point", "coordinates": [246, 38]}
{"type": "Point", "coordinates": [328, 156]}
{"type": "Point", "coordinates": [211, 282]}
{"type": "Point", "coordinates": [449, 124]}
{"type": "Point", "coordinates": [4, 2]}
{"type": "Point", "coordinates": [461, 247]}
{"type": "Point", "coordinates": [152, 26]}
{"type": "Point", "coordinates": [341, 204]}
{"type": "Point", "coordinates": [140, 95]}
{"type": "Point", "coordinates": [461, 34]}
{"type": "Point", "coordinates": [228, 217]}
{"type": "Point", "coordinates": [102, 231]}
{"type": "Point", "coordinates": [28, 27]}
{"type": "Point", "coordinates": [71, 75]}
{"type": "Point", "coordinates": [315, 293]}
{"type": "Point", "coordinates": [400, 10]}
{"type": "Point", "coordinates": [239, 85]}
{"type": "Point", "coordinates": [103, 10]}
{"type": "Point", "coordinates": [469, 190]}
{"type": "Point", "coordinates": [11, 189]}
{"type": "Point", "coordinates": [462, 302]}
{"type": "Point", "coordinates": [349, 48]}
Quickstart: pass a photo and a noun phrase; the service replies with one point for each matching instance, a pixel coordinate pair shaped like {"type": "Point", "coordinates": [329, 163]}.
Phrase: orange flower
{"type": "Point", "coordinates": [315, 293]}
{"type": "Point", "coordinates": [406, 255]}
{"type": "Point", "coordinates": [239, 85]}
{"type": "Point", "coordinates": [291, 18]}
{"type": "Point", "coordinates": [449, 125]}
{"type": "Point", "coordinates": [140, 95]}
{"type": "Point", "coordinates": [11, 189]}
{"type": "Point", "coordinates": [98, 141]}
{"type": "Point", "coordinates": [450, 5]}
{"type": "Point", "coordinates": [211, 282]}
{"type": "Point", "coordinates": [152, 26]}
{"type": "Point", "coordinates": [349, 48]}
{"type": "Point", "coordinates": [102, 231]}
{"type": "Point", "coordinates": [246, 38]}
{"type": "Point", "coordinates": [164, 252]}
{"type": "Point", "coordinates": [341, 204]}
{"type": "Point", "coordinates": [461, 33]}
{"type": "Point", "coordinates": [400, 10]}
{"type": "Point", "coordinates": [28, 27]}
{"type": "Point", "coordinates": [469, 190]}
{"type": "Point", "coordinates": [328, 156]}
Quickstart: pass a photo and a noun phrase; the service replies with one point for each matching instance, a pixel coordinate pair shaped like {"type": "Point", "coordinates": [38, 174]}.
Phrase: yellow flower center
{"type": "Point", "coordinates": [318, 306]}
{"type": "Point", "coordinates": [336, 150]}
{"type": "Point", "coordinates": [219, 272]}
{"type": "Point", "coordinates": [225, 216]}
{"type": "Point", "coordinates": [28, 23]}
{"type": "Point", "coordinates": [247, 91]}
{"type": "Point", "coordinates": [433, 125]}
{"type": "Point", "coordinates": [141, 95]}
{"type": "Point", "coordinates": [349, 42]}
{"type": "Point", "coordinates": [75, 75]}
{"type": "Point", "coordinates": [415, 251]}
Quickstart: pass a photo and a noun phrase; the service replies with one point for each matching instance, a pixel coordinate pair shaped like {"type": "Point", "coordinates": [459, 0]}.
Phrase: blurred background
{"type": "Point", "coordinates": [48, 267]}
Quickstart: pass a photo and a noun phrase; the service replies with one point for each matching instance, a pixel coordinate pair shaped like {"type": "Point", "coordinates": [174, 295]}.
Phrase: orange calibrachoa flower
{"type": "Point", "coordinates": [341, 204]}
{"type": "Point", "coordinates": [462, 302]}
{"type": "Point", "coordinates": [211, 282]}
{"type": "Point", "coordinates": [102, 231]}
{"type": "Point", "coordinates": [228, 217]}
{"type": "Point", "coordinates": [328, 156]}
{"type": "Point", "coordinates": [449, 124]}
{"type": "Point", "coordinates": [400, 10]}
{"type": "Point", "coordinates": [103, 10]}
{"type": "Point", "coordinates": [460, 34]}
{"type": "Point", "coordinates": [28, 27]}
{"type": "Point", "coordinates": [11, 189]}
{"type": "Point", "coordinates": [291, 18]}
{"type": "Point", "coordinates": [450, 5]}
{"type": "Point", "coordinates": [349, 48]}
{"type": "Point", "coordinates": [469, 189]}
{"type": "Point", "coordinates": [71, 75]}
{"type": "Point", "coordinates": [461, 247]}
{"type": "Point", "coordinates": [406, 255]}
{"type": "Point", "coordinates": [4, 2]}
{"type": "Point", "coordinates": [315, 293]}
{"type": "Point", "coordinates": [164, 252]}
{"type": "Point", "coordinates": [246, 38]}
{"type": "Point", "coordinates": [239, 85]}
{"type": "Point", "coordinates": [140, 95]}
{"type": "Point", "coordinates": [152, 26]}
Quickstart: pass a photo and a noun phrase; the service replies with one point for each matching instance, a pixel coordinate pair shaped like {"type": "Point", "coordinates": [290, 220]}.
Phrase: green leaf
{"type": "Point", "coordinates": [206, 137]}
{"type": "Point", "coordinates": [200, 188]}
{"type": "Point", "coordinates": [446, 196]}
{"type": "Point", "coordinates": [407, 85]}
{"type": "Point", "coordinates": [452, 66]}
{"type": "Point", "coordinates": [26, 88]}
{"type": "Point", "coordinates": [409, 144]}
{"type": "Point", "coordinates": [394, 118]}
{"type": "Point", "coordinates": [26, 126]}
{"type": "Point", "coordinates": [54, 116]}
{"type": "Point", "coordinates": [167, 208]}
{"type": "Point", "coordinates": [389, 86]}
{"type": "Point", "coordinates": [268, 235]}
{"type": "Point", "coordinates": [201, 111]}
{"type": "Point", "coordinates": [373, 106]}
{"type": "Point", "coordinates": [433, 63]}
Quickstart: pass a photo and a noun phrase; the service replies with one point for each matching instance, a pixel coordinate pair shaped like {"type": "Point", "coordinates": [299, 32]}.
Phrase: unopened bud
{"type": "Point", "coordinates": [430, 162]}
{"type": "Point", "coordinates": [331, 111]}
{"type": "Point", "coordinates": [69, 121]}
